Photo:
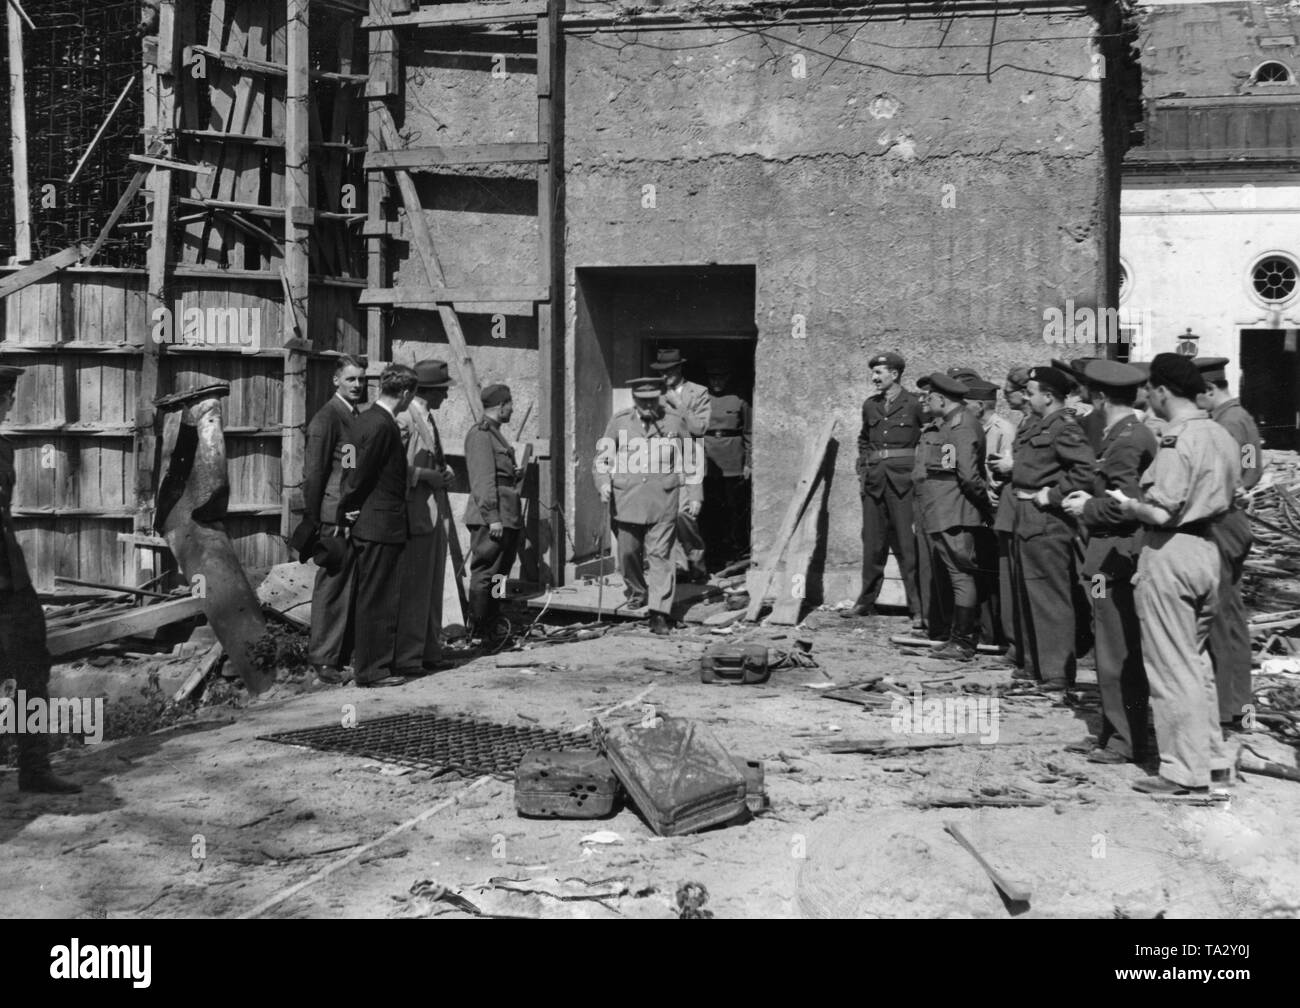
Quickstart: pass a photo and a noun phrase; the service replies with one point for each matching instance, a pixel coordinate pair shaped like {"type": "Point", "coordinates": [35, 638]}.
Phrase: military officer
{"type": "Point", "coordinates": [492, 513]}
{"type": "Point", "coordinates": [1001, 465]}
{"type": "Point", "coordinates": [892, 419]}
{"type": "Point", "coordinates": [1052, 460]}
{"type": "Point", "coordinates": [952, 503]}
{"type": "Point", "coordinates": [649, 469]}
{"type": "Point", "coordinates": [999, 438]}
{"type": "Point", "coordinates": [691, 402]}
{"type": "Point", "coordinates": [23, 654]}
{"type": "Point", "coordinates": [1187, 490]}
{"type": "Point", "coordinates": [1110, 560]}
{"type": "Point", "coordinates": [1143, 405]}
{"type": "Point", "coordinates": [728, 453]}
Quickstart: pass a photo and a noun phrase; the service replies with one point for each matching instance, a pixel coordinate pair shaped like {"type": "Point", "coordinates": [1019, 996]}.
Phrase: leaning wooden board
{"type": "Point", "coordinates": [138, 621]}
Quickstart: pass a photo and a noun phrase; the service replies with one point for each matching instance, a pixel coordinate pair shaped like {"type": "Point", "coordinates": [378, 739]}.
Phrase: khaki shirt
{"type": "Point", "coordinates": [1195, 472]}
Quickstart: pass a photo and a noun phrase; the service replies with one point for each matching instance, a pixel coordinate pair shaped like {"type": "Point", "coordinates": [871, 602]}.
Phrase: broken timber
{"type": "Point", "coordinates": [38, 271]}
{"type": "Point", "coordinates": [137, 621]}
{"type": "Point", "coordinates": [1014, 891]}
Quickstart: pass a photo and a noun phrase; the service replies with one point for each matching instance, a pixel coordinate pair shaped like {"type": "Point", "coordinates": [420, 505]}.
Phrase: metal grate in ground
{"type": "Point", "coordinates": [458, 745]}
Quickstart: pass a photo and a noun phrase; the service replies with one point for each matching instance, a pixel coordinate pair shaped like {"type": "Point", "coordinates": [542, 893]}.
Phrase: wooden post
{"type": "Point", "coordinates": [18, 133]}
{"type": "Point", "coordinates": [383, 83]}
{"type": "Point", "coordinates": [298, 220]}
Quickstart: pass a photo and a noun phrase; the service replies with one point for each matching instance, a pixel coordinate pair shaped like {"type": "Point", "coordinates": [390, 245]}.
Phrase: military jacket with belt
{"type": "Point", "coordinates": [895, 427]}
{"type": "Point", "coordinates": [949, 474]}
{"type": "Point", "coordinates": [727, 441]}
{"type": "Point", "coordinates": [493, 478]}
{"type": "Point", "coordinates": [1127, 451]}
{"type": "Point", "coordinates": [1050, 452]}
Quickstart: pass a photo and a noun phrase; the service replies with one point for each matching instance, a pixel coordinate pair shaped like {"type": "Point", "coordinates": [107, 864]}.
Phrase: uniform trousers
{"type": "Point", "coordinates": [490, 563]}
{"type": "Point", "coordinates": [724, 520]}
{"type": "Point", "coordinates": [886, 525]}
{"type": "Point", "coordinates": [1009, 612]}
{"type": "Point", "coordinates": [954, 575]}
{"type": "Point", "coordinates": [1177, 591]}
{"type": "Point", "coordinates": [419, 610]}
{"type": "Point", "coordinates": [642, 547]}
{"type": "Point", "coordinates": [1121, 676]}
{"type": "Point", "coordinates": [330, 642]}
{"type": "Point", "coordinates": [1230, 648]}
{"type": "Point", "coordinates": [378, 572]}
{"type": "Point", "coordinates": [1045, 584]}
{"type": "Point", "coordinates": [25, 659]}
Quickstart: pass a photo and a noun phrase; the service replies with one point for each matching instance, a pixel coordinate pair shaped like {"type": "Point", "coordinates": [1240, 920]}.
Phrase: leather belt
{"type": "Point", "coordinates": [1203, 529]}
{"type": "Point", "coordinates": [723, 433]}
{"type": "Point", "coordinates": [1026, 494]}
{"type": "Point", "coordinates": [880, 454]}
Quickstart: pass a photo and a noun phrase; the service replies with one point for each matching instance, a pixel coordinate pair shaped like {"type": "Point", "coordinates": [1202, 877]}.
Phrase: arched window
{"type": "Point", "coordinates": [1271, 72]}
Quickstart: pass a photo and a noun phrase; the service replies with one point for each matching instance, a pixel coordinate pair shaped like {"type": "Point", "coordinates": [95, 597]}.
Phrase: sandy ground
{"type": "Point", "coordinates": [205, 820]}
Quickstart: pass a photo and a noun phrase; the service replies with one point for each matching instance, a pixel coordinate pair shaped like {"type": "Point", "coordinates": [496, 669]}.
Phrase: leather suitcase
{"type": "Point", "coordinates": [735, 663]}
{"type": "Point", "coordinates": [755, 787]}
{"type": "Point", "coordinates": [676, 773]}
{"type": "Point", "coordinates": [565, 785]}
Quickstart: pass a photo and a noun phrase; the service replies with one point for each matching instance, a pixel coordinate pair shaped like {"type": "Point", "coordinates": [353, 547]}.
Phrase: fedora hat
{"type": "Point", "coordinates": [669, 357]}
{"type": "Point", "coordinates": [304, 539]}
{"type": "Point", "coordinates": [329, 553]}
{"type": "Point", "coordinates": [432, 374]}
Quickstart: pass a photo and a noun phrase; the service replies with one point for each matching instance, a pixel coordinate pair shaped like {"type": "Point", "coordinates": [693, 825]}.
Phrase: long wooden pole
{"type": "Point", "coordinates": [18, 134]}
{"type": "Point", "coordinates": [298, 219]}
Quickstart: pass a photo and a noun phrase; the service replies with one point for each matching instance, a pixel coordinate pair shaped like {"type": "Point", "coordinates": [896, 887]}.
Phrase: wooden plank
{"type": "Point", "coordinates": [201, 671]}
{"type": "Point", "coordinates": [428, 297]}
{"type": "Point", "coordinates": [444, 15]}
{"type": "Point", "coordinates": [138, 621]}
{"type": "Point", "coordinates": [337, 159]}
{"type": "Point", "coordinates": [18, 138]}
{"type": "Point", "coordinates": [171, 165]}
{"type": "Point", "coordinates": [430, 158]}
{"type": "Point", "coordinates": [38, 271]}
{"type": "Point", "coordinates": [1014, 891]}
{"type": "Point", "coordinates": [123, 204]}
{"type": "Point", "coordinates": [384, 81]}
{"type": "Point", "coordinates": [550, 316]}
{"type": "Point", "coordinates": [297, 239]}
{"type": "Point", "coordinates": [789, 604]}
{"type": "Point", "coordinates": [249, 116]}
{"type": "Point", "coordinates": [266, 68]}
{"type": "Point", "coordinates": [761, 580]}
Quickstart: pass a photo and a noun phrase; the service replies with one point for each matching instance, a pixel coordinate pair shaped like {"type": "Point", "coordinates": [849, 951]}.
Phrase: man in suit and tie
{"type": "Point", "coordinates": [373, 508]}
{"type": "Point", "coordinates": [424, 561]}
{"type": "Point", "coordinates": [331, 598]}
{"type": "Point", "coordinates": [693, 405]}
{"type": "Point", "coordinates": [492, 513]}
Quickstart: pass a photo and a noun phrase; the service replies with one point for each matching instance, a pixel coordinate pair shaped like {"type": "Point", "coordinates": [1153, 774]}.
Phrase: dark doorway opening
{"type": "Point", "coordinates": [1270, 381]}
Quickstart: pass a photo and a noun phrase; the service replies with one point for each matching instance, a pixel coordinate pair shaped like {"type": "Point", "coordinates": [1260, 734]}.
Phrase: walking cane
{"type": "Point", "coordinates": [603, 535]}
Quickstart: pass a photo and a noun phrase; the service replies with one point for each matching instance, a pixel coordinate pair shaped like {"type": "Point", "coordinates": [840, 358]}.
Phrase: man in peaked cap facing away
{"type": "Point", "coordinates": [24, 656]}
{"type": "Point", "coordinates": [690, 402]}
{"type": "Point", "coordinates": [649, 470]}
{"type": "Point", "coordinates": [1230, 647]}
{"type": "Point", "coordinates": [892, 419]}
{"type": "Point", "coordinates": [492, 513]}
{"type": "Point", "coordinates": [953, 503]}
{"type": "Point", "coordinates": [1110, 560]}
{"type": "Point", "coordinates": [1187, 490]}
{"type": "Point", "coordinates": [1052, 460]}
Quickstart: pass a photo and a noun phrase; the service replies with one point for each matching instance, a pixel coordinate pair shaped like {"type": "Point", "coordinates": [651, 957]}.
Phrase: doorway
{"type": "Point", "coordinates": [1269, 384]}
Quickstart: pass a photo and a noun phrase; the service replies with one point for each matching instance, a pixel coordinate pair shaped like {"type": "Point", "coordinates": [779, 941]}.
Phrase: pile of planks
{"type": "Point", "coordinates": [76, 622]}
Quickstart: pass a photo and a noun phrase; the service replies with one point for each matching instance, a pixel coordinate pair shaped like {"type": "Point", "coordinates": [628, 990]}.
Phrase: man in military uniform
{"type": "Point", "coordinates": [423, 563]}
{"type": "Point", "coordinates": [1110, 560]}
{"type": "Point", "coordinates": [727, 450]}
{"type": "Point", "coordinates": [492, 513]}
{"type": "Point", "coordinates": [1230, 647]}
{"type": "Point", "coordinates": [691, 402]}
{"type": "Point", "coordinates": [649, 469]}
{"type": "Point", "coordinates": [1187, 490]}
{"type": "Point", "coordinates": [952, 504]}
{"type": "Point", "coordinates": [892, 419]}
{"type": "Point", "coordinates": [1000, 466]}
{"type": "Point", "coordinates": [1052, 460]}
{"type": "Point", "coordinates": [23, 654]}
{"type": "Point", "coordinates": [999, 439]}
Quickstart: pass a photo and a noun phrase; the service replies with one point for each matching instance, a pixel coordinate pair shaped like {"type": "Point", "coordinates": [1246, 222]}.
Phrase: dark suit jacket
{"type": "Point", "coordinates": [322, 472]}
{"type": "Point", "coordinates": [377, 486]}
{"type": "Point", "coordinates": [13, 568]}
{"type": "Point", "coordinates": [493, 478]}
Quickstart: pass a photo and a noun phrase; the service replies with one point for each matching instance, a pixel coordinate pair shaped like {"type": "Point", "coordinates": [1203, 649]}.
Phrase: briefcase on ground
{"type": "Point", "coordinates": [677, 774]}
{"type": "Point", "coordinates": [735, 663]}
{"type": "Point", "coordinates": [755, 787]}
{"type": "Point", "coordinates": [565, 785]}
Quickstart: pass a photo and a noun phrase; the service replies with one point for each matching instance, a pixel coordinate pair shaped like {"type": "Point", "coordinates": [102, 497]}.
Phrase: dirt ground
{"type": "Point", "coordinates": [206, 820]}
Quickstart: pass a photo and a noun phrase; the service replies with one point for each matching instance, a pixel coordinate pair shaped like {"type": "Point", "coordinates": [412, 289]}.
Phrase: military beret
{"type": "Point", "coordinates": [941, 382]}
{"type": "Point", "coordinates": [1212, 368]}
{"type": "Point", "coordinates": [982, 391]}
{"type": "Point", "coordinates": [1053, 378]}
{"type": "Point", "coordinates": [494, 395]}
{"type": "Point", "coordinates": [889, 360]}
{"type": "Point", "coordinates": [1178, 373]}
{"type": "Point", "coordinates": [1111, 374]}
{"type": "Point", "coordinates": [647, 388]}
{"type": "Point", "coordinates": [1018, 377]}
{"type": "Point", "coordinates": [964, 374]}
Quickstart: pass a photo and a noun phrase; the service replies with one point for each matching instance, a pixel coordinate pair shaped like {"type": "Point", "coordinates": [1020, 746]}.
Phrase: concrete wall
{"type": "Point", "coordinates": [902, 186]}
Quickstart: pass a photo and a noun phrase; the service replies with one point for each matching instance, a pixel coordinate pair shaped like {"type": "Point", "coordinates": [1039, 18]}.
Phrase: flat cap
{"type": "Point", "coordinates": [494, 395]}
{"type": "Point", "coordinates": [889, 360]}
{"type": "Point", "coordinates": [1178, 373]}
{"type": "Point", "coordinates": [964, 374]}
{"type": "Point", "coordinates": [1018, 377]}
{"type": "Point", "coordinates": [1212, 368]}
{"type": "Point", "coordinates": [1111, 374]}
{"type": "Point", "coordinates": [949, 386]}
{"type": "Point", "coordinates": [647, 388]}
{"type": "Point", "coordinates": [1053, 378]}
{"type": "Point", "coordinates": [982, 391]}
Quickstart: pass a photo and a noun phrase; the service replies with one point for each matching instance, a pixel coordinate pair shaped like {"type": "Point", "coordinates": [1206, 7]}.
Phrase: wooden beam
{"type": "Point", "coordinates": [171, 165]}
{"type": "Point", "coordinates": [443, 15]}
{"type": "Point", "coordinates": [128, 197]}
{"type": "Point", "coordinates": [138, 621]}
{"type": "Point", "coordinates": [422, 239]}
{"type": "Point", "coordinates": [384, 83]}
{"type": "Point", "coordinates": [99, 133]}
{"type": "Point", "coordinates": [269, 69]}
{"type": "Point", "coordinates": [38, 271]}
{"type": "Point", "coordinates": [432, 158]}
{"type": "Point", "coordinates": [297, 238]}
{"type": "Point", "coordinates": [427, 297]}
{"type": "Point", "coordinates": [18, 138]}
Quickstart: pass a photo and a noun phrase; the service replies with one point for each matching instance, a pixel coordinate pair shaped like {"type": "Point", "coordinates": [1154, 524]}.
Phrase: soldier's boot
{"type": "Point", "coordinates": [479, 605]}
{"type": "Point", "coordinates": [34, 773]}
{"type": "Point", "coordinates": [965, 630]}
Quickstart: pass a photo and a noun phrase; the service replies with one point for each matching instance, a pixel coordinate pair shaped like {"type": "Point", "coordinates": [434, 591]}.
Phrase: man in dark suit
{"type": "Point", "coordinates": [492, 513]}
{"type": "Point", "coordinates": [331, 599]}
{"type": "Point", "coordinates": [23, 654]}
{"type": "Point", "coordinates": [374, 509]}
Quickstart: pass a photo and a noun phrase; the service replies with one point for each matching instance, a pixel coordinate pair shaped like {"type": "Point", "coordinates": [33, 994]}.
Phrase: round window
{"type": "Point", "coordinates": [1274, 278]}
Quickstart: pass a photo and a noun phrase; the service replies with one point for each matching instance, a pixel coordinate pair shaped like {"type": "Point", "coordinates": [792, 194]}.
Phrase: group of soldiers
{"type": "Point", "coordinates": [1107, 516]}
